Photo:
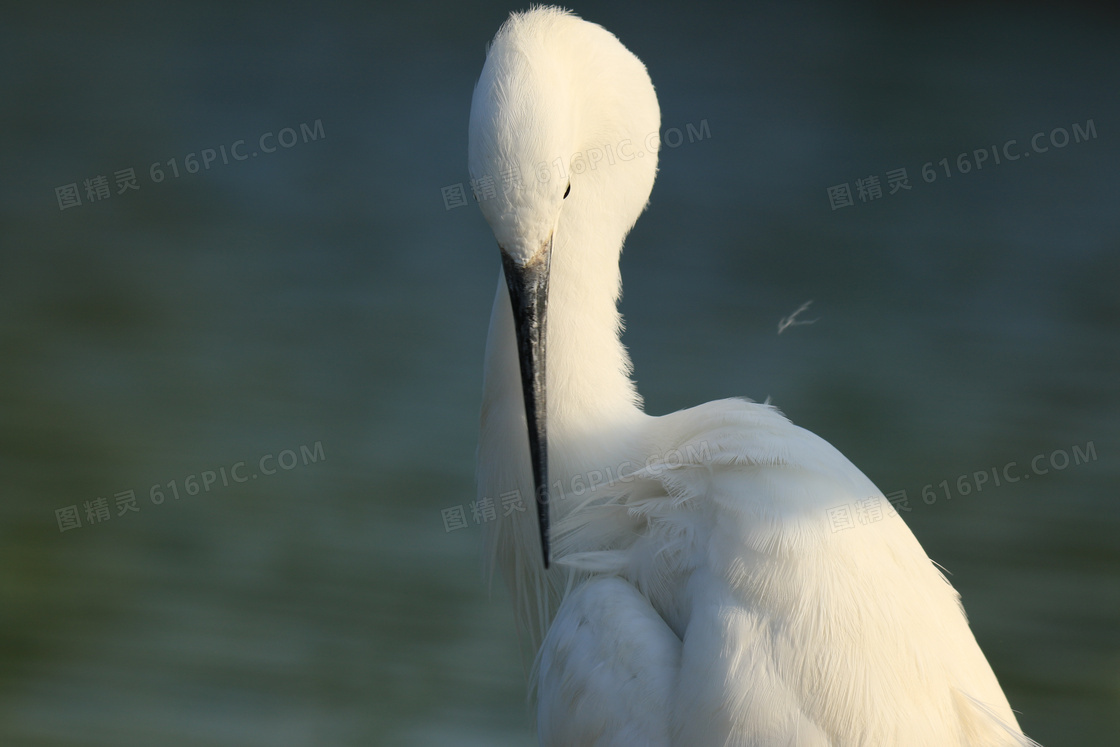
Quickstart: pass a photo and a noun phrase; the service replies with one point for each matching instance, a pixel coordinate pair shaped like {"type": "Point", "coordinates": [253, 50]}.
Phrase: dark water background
{"type": "Point", "coordinates": [321, 300]}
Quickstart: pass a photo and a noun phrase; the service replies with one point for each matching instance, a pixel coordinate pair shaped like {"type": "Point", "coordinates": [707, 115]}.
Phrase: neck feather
{"type": "Point", "coordinates": [593, 410]}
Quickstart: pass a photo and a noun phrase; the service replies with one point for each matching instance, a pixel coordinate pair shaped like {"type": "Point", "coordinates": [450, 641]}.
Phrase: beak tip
{"type": "Point", "coordinates": [545, 524]}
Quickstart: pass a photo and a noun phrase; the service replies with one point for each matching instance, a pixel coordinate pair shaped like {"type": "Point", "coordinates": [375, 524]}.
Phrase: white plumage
{"type": "Point", "coordinates": [699, 594]}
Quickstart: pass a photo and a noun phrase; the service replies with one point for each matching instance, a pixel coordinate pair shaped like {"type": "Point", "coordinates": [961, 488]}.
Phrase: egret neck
{"type": "Point", "coordinates": [593, 409]}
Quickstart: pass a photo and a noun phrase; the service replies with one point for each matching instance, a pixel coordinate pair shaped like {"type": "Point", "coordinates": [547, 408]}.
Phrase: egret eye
{"type": "Point", "coordinates": [568, 190]}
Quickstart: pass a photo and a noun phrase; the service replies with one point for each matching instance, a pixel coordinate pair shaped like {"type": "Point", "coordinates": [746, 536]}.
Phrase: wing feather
{"type": "Point", "coordinates": [607, 670]}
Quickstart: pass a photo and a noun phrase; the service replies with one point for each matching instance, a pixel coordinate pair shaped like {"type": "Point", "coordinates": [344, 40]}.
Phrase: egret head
{"type": "Point", "coordinates": [561, 109]}
{"type": "Point", "coordinates": [563, 140]}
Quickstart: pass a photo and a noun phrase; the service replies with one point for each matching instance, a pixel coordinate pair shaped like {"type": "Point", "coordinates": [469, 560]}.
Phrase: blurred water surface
{"type": "Point", "coordinates": [321, 301]}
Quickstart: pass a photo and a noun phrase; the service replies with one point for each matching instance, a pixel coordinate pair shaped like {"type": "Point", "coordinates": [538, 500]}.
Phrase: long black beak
{"type": "Point", "coordinates": [528, 293]}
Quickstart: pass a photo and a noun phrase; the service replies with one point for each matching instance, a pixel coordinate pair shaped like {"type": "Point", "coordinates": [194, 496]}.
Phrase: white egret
{"type": "Point", "coordinates": [699, 595]}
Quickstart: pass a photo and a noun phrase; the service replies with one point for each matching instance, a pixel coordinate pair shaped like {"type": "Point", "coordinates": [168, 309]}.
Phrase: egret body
{"type": "Point", "coordinates": [694, 592]}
